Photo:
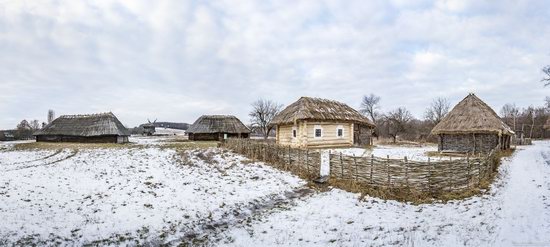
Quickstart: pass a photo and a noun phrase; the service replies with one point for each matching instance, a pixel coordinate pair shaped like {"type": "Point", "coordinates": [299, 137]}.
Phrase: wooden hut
{"type": "Point", "coordinates": [93, 128]}
{"type": "Point", "coordinates": [319, 123]}
{"type": "Point", "coordinates": [472, 127]}
{"type": "Point", "coordinates": [217, 128]}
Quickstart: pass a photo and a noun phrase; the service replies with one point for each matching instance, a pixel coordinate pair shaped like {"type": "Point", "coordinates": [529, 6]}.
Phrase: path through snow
{"type": "Point", "coordinates": [516, 211]}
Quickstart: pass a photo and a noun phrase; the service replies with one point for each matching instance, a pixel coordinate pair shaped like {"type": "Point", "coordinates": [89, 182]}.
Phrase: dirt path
{"type": "Point", "coordinates": [525, 217]}
{"type": "Point", "coordinates": [209, 231]}
{"type": "Point", "coordinates": [58, 156]}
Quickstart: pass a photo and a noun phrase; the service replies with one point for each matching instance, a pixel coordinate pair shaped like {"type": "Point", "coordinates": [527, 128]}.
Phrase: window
{"type": "Point", "coordinates": [340, 131]}
{"type": "Point", "coordinates": [294, 133]}
{"type": "Point", "coordinates": [318, 132]}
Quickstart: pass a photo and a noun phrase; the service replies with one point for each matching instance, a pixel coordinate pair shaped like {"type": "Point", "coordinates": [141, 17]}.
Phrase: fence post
{"type": "Point", "coordinates": [388, 169]}
{"type": "Point", "coordinates": [355, 163]}
{"type": "Point", "coordinates": [341, 166]}
{"type": "Point", "coordinates": [430, 179]}
{"type": "Point", "coordinates": [289, 159]}
{"type": "Point", "coordinates": [469, 168]}
{"type": "Point", "coordinates": [307, 161]}
{"type": "Point", "coordinates": [406, 172]}
{"type": "Point", "coordinates": [371, 167]}
{"type": "Point", "coordinates": [451, 179]}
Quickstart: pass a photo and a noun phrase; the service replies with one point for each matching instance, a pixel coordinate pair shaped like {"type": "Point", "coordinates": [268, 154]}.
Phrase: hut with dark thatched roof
{"type": "Point", "coordinates": [472, 127]}
{"type": "Point", "coordinates": [92, 128]}
{"type": "Point", "coordinates": [319, 123]}
{"type": "Point", "coordinates": [217, 128]}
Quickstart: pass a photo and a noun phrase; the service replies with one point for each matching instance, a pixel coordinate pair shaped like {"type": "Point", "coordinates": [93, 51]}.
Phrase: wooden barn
{"type": "Point", "coordinates": [217, 128]}
{"type": "Point", "coordinates": [320, 123]}
{"type": "Point", "coordinates": [93, 128]}
{"type": "Point", "coordinates": [472, 127]}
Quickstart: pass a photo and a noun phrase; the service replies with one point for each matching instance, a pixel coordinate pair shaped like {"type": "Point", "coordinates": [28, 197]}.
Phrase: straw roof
{"type": "Point", "coordinates": [103, 124]}
{"type": "Point", "coordinates": [307, 108]}
{"type": "Point", "coordinates": [471, 115]}
{"type": "Point", "coordinates": [218, 124]}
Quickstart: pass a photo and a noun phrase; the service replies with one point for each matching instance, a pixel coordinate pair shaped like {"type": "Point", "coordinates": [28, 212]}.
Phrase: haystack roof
{"type": "Point", "coordinates": [307, 108]}
{"type": "Point", "coordinates": [471, 115]}
{"type": "Point", "coordinates": [218, 124]}
{"type": "Point", "coordinates": [103, 124]}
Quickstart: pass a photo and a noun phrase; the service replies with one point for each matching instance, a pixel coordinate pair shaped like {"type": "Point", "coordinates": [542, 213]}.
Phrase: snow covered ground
{"type": "Point", "coordinates": [394, 152]}
{"type": "Point", "coordinates": [146, 194]}
{"type": "Point", "coordinates": [515, 212]}
{"type": "Point", "coordinates": [169, 131]}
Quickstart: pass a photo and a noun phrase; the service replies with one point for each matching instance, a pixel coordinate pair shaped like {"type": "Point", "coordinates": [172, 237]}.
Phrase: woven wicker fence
{"type": "Point", "coordinates": [299, 161]}
{"type": "Point", "coordinates": [424, 176]}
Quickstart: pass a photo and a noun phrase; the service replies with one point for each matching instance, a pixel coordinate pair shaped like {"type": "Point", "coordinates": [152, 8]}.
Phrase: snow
{"type": "Point", "coordinates": [169, 131]}
{"type": "Point", "coordinates": [416, 153]}
{"type": "Point", "coordinates": [516, 211]}
{"type": "Point", "coordinates": [138, 193]}
{"type": "Point", "coordinates": [149, 195]}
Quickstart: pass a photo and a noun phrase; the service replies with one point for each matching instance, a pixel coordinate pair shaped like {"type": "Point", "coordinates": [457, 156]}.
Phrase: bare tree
{"type": "Point", "coordinates": [398, 122]}
{"type": "Point", "coordinates": [437, 110]}
{"type": "Point", "coordinates": [510, 112]}
{"type": "Point", "coordinates": [546, 79]}
{"type": "Point", "coordinates": [370, 106]}
{"type": "Point", "coordinates": [51, 115]}
{"type": "Point", "coordinates": [547, 102]}
{"type": "Point", "coordinates": [23, 130]}
{"type": "Point", "coordinates": [34, 125]}
{"type": "Point", "coordinates": [263, 111]}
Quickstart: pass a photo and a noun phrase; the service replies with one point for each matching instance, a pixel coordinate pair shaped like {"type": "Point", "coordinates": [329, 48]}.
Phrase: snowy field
{"type": "Point", "coordinates": [135, 196]}
{"type": "Point", "coordinates": [148, 194]}
{"type": "Point", "coordinates": [417, 153]}
{"type": "Point", "coordinates": [515, 212]}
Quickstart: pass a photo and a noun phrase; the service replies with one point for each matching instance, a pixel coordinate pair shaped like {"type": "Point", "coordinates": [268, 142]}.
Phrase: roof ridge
{"type": "Point", "coordinates": [87, 115]}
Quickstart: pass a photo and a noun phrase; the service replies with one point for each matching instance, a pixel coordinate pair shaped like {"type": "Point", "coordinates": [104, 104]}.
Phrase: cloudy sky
{"type": "Point", "coordinates": [176, 60]}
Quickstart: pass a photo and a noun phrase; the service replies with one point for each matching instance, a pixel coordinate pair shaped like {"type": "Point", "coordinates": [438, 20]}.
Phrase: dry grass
{"type": "Point", "coordinates": [76, 146]}
{"type": "Point", "coordinates": [176, 144]}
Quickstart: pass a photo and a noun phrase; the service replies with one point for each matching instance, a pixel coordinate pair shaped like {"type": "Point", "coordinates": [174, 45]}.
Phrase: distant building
{"type": "Point", "coordinates": [318, 123]}
{"type": "Point", "coordinates": [472, 126]}
{"type": "Point", "coordinates": [7, 135]}
{"type": "Point", "coordinates": [93, 128]}
{"type": "Point", "coordinates": [217, 128]}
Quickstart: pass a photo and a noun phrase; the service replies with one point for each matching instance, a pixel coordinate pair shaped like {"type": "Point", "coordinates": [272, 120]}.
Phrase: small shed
{"type": "Point", "coordinates": [91, 128]}
{"type": "Point", "coordinates": [472, 126]}
{"type": "Point", "coordinates": [7, 135]}
{"type": "Point", "coordinates": [217, 128]}
{"type": "Point", "coordinates": [321, 123]}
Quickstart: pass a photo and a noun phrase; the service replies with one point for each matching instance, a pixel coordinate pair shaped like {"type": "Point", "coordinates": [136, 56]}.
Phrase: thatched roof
{"type": "Point", "coordinates": [218, 124]}
{"type": "Point", "coordinates": [307, 108]}
{"type": "Point", "coordinates": [103, 124]}
{"type": "Point", "coordinates": [471, 115]}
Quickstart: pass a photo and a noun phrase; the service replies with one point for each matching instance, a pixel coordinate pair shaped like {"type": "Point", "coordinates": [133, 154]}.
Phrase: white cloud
{"type": "Point", "coordinates": [176, 60]}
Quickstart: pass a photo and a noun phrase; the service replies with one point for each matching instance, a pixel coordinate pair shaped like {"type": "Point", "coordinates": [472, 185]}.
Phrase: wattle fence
{"type": "Point", "coordinates": [431, 177]}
